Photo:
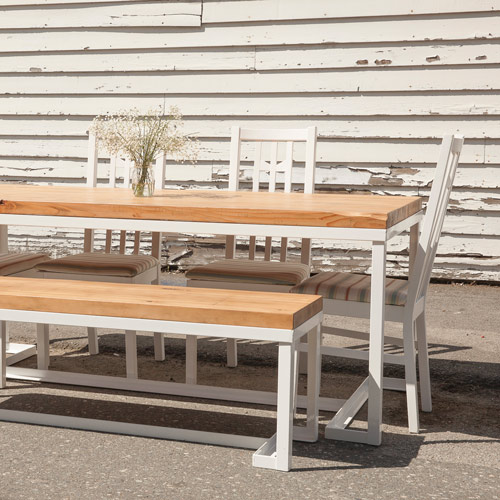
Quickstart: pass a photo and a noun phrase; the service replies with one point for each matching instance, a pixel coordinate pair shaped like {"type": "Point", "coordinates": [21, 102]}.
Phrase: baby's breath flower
{"type": "Point", "coordinates": [143, 137]}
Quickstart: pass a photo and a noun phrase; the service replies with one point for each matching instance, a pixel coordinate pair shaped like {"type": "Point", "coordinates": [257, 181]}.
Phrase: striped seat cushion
{"type": "Point", "coordinates": [107, 264]}
{"type": "Point", "coordinates": [251, 271]}
{"type": "Point", "coordinates": [353, 287]}
{"type": "Point", "coordinates": [12, 263]}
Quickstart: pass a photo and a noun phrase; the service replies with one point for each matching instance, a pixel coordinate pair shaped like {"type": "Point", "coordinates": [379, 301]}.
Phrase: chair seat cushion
{"type": "Point", "coordinates": [106, 264]}
{"type": "Point", "coordinates": [12, 263]}
{"type": "Point", "coordinates": [353, 287]}
{"type": "Point", "coordinates": [251, 271]}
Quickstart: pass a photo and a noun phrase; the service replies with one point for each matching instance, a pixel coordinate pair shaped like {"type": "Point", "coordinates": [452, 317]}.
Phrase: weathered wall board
{"type": "Point", "coordinates": [383, 83]}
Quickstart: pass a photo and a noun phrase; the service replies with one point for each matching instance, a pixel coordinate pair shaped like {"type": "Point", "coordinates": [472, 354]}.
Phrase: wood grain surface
{"type": "Point", "coordinates": [169, 303]}
{"type": "Point", "coordinates": [243, 207]}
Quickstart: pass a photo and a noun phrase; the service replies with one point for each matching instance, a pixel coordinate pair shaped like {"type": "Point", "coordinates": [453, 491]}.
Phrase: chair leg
{"type": "Point", "coordinates": [191, 359]}
{"type": "Point", "coordinates": [3, 354]}
{"type": "Point", "coordinates": [423, 364]}
{"type": "Point", "coordinates": [93, 340]}
{"type": "Point", "coordinates": [232, 353]}
{"type": "Point", "coordinates": [159, 341]}
{"type": "Point", "coordinates": [410, 374]}
{"type": "Point", "coordinates": [42, 346]}
{"type": "Point", "coordinates": [131, 354]}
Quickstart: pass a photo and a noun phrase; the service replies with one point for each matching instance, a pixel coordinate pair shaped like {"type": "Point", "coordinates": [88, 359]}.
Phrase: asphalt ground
{"type": "Point", "coordinates": [456, 455]}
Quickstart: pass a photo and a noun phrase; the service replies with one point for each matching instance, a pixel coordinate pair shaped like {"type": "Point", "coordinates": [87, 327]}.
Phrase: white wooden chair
{"type": "Point", "coordinates": [347, 294]}
{"type": "Point", "coordinates": [16, 264]}
{"type": "Point", "coordinates": [110, 267]}
{"type": "Point", "coordinates": [252, 274]}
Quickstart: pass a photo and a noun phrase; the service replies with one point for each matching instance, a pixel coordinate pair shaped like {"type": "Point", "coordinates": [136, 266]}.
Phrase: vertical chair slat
{"type": "Point", "coordinates": [137, 242]}
{"type": "Point", "coordinates": [88, 239]}
{"type": "Point", "coordinates": [273, 167]}
{"type": "Point", "coordinates": [268, 248]}
{"type": "Point", "coordinates": [252, 245]}
{"type": "Point", "coordinates": [123, 241]}
{"type": "Point", "coordinates": [283, 249]}
{"type": "Point", "coordinates": [109, 237]}
{"type": "Point", "coordinates": [257, 166]}
{"type": "Point", "coordinates": [288, 165]}
{"type": "Point", "coordinates": [112, 171]}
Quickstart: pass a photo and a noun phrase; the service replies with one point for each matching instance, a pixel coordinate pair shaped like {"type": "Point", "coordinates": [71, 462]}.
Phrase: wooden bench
{"type": "Point", "coordinates": [275, 317]}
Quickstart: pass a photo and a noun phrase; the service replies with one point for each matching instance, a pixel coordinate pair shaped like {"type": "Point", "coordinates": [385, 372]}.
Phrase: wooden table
{"type": "Point", "coordinates": [370, 218]}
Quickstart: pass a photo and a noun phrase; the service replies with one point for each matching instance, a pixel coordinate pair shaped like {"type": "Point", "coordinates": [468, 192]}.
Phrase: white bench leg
{"type": "Point", "coordinates": [93, 340]}
{"type": "Point", "coordinates": [284, 421]}
{"type": "Point", "coordinates": [191, 359]}
{"type": "Point", "coordinates": [3, 354]}
{"type": "Point", "coordinates": [131, 353]}
{"type": "Point", "coordinates": [423, 364]}
{"type": "Point", "coordinates": [42, 346]}
{"type": "Point", "coordinates": [232, 353]}
{"type": "Point", "coordinates": [159, 343]}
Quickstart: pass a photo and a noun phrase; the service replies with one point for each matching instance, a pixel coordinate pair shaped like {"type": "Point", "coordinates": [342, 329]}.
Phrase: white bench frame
{"type": "Point", "coordinates": [274, 453]}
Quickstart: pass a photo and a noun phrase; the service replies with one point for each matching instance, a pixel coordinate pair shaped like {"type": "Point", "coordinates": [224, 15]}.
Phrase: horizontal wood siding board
{"type": "Point", "coordinates": [469, 54]}
{"type": "Point", "coordinates": [130, 61]}
{"type": "Point", "coordinates": [335, 127]}
{"type": "Point", "coordinates": [125, 14]}
{"type": "Point", "coordinates": [360, 81]}
{"type": "Point", "coordinates": [307, 105]}
{"type": "Point", "coordinates": [366, 56]}
{"type": "Point", "coordinates": [459, 29]}
{"type": "Point", "coordinates": [216, 11]}
{"type": "Point", "coordinates": [336, 152]}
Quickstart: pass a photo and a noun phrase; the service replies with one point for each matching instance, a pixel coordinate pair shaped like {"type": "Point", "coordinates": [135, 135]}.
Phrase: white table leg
{"type": "Point", "coordinates": [42, 346]}
{"type": "Point", "coordinates": [191, 359]}
{"type": "Point", "coordinates": [131, 354]}
{"type": "Point", "coordinates": [3, 355]}
{"type": "Point", "coordinates": [313, 381]}
{"type": "Point", "coordinates": [4, 239]}
{"type": "Point", "coordinates": [159, 346]}
{"type": "Point", "coordinates": [93, 341]}
{"type": "Point", "coordinates": [4, 248]}
{"type": "Point", "coordinates": [375, 360]}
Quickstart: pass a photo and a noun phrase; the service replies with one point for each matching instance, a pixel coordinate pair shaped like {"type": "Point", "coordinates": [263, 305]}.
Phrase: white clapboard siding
{"type": "Point", "coordinates": [366, 105]}
{"type": "Point", "coordinates": [397, 127]}
{"type": "Point", "coordinates": [120, 14]}
{"type": "Point", "coordinates": [334, 151]}
{"type": "Point", "coordinates": [408, 30]}
{"type": "Point", "coordinates": [216, 11]}
{"type": "Point", "coordinates": [382, 83]}
{"type": "Point", "coordinates": [400, 55]}
{"type": "Point", "coordinates": [152, 60]}
{"type": "Point", "coordinates": [388, 80]}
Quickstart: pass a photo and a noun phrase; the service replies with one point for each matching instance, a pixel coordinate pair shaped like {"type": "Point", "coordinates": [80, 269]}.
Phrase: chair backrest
{"type": "Point", "coordinates": [278, 144]}
{"type": "Point", "coordinates": [119, 168]}
{"type": "Point", "coordinates": [434, 216]}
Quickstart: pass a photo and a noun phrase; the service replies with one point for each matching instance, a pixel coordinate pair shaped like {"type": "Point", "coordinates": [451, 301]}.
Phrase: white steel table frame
{"type": "Point", "coordinates": [370, 390]}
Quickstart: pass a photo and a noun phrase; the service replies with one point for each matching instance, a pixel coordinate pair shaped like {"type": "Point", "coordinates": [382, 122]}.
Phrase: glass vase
{"type": "Point", "coordinates": [143, 180]}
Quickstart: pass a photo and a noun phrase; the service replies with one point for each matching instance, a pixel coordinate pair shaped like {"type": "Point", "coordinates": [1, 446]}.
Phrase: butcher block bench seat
{"type": "Point", "coordinates": [277, 317]}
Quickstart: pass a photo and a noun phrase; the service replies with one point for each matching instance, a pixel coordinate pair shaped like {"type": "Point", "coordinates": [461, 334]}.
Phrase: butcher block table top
{"type": "Point", "coordinates": [239, 207]}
